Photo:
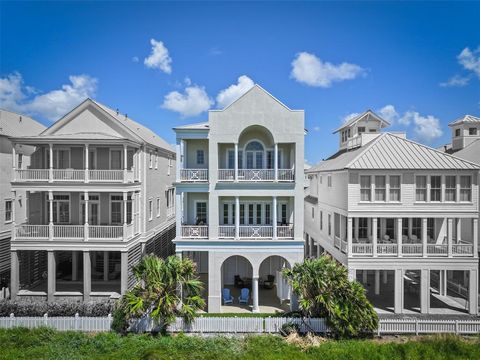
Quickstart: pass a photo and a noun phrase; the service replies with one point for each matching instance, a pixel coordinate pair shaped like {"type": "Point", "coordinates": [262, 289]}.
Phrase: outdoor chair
{"type": "Point", "coordinates": [244, 296]}
{"type": "Point", "coordinates": [269, 283]}
{"type": "Point", "coordinates": [227, 297]}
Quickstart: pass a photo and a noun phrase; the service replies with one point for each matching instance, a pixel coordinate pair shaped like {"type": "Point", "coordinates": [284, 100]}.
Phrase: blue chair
{"type": "Point", "coordinates": [244, 296]}
{"type": "Point", "coordinates": [227, 297]}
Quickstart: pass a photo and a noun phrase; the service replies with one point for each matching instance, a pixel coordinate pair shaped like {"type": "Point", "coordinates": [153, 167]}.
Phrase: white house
{"type": "Point", "coordinates": [99, 194]}
{"type": "Point", "coordinates": [401, 216]}
{"type": "Point", "coordinates": [240, 196]}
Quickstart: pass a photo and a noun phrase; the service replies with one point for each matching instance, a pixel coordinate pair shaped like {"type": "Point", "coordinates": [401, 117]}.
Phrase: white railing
{"type": "Point", "coordinates": [440, 249]}
{"type": "Point", "coordinates": [193, 174]}
{"type": "Point", "coordinates": [336, 242]}
{"type": "Point", "coordinates": [254, 232]}
{"type": "Point", "coordinates": [68, 175]}
{"type": "Point", "coordinates": [25, 231]}
{"type": "Point", "coordinates": [226, 231]}
{"type": "Point", "coordinates": [68, 231]}
{"type": "Point", "coordinates": [32, 175]}
{"type": "Point", "coordinates": [344, 246]}
{"type": "Point", "coordinates": [285, 232]}
{"type": "Point", "coordinates": [105, 232]}
{"type": "Point", "coordinates": [386, 249]}
{"type": "Point", "coordinates": [256, 175]}
{"type": "Point", "coordinates": [61, 323]}
{"type": "Point", "coordinates": [286, 175]}
{"type": "Point", "coordinates": [462, 249]}
{"type": "Point", "coordinates": [412, 249]}
{"type": "Point", "coordinates": [194, 231]}
{"type": "Point", "coordinates": [106, 175]}
{"type": "Point", "coordinates": [362, 249]}
{"type": "Point", "coordinates": [428, 326]}
{"type": "Point", "coordinates": [130, 231]}
{"type": "Point", "coordinates": [226, 175]}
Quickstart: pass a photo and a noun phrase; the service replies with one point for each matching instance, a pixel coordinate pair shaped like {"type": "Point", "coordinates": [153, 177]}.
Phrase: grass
{"type": "Point", "coordinates": [45, 343]}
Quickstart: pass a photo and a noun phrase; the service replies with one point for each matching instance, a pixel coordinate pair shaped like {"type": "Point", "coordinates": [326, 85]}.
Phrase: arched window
{"type": "Point", "coordinates": [254, 154]}
{"type": "Point", "coordinates": [254, 146]}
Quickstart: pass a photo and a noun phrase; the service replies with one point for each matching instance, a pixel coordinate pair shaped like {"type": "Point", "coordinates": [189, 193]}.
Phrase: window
{"type": "Point", "coordinates": [116, 209]}
{"type": "Point", "coordinates": [348, 133]}
{"type": "Point", "coordinates": [430, 228]}
{"type": "Point", "coordinates": [201, 213]}
{"type": "Point", "coordinates": [395, 188]}
{"type": "Point", "coordinates": [421, 188]}
{"type": "Point", "coordinates": [61, 159]}
{"type": "Point", "coordinates": [313, 212]}
{"type": "Point", "coordinates": [361, 129]}
{"type": "Point", "coordinates": [380, 188]}
{"type": "Point", "coordinates": [8, 210]}
{"type": "Point", "coordinates": [270, 159]}
{"type": "Point", "coordinates": [250, 214]}
{"type": "Point", "coordinates": [170, 200]}
{"type": "Point", "coordinates": [457, 132]}
{"type": "Point", "coordinates": [283, 214]}
{"type": "Point", "coordinates": [363, 228]}
{"type": "Point", "coordinates": [115, 160]}
{"type": "Point", "coordinates": [321, 220]}
{"type": "Point", "coordinates": [225, 214]}
{"type": "Point", "coordinates": [240, 159]}
{"type": "Point", "coordinates": [268, 217]}
{"type": "Point", "coordinates": [329, 180]}
{"type": "Point", "coordinates": [329, 225]}
{"type": "Point", "coordinates": [417, 227]}
{"type": "Point", "coordinates": [465, 188]}
{"type": "Point", "coordinates": [169, 167]}
{"type": "Point", "coordinates": [405, 226]}
{"type": "Point", "coordinates": [20, 161]}
{"type": "Point", "coordinates": [150, 161]}
{"type": "Point", "coordinates": [390, 227]}
{"type": "Point", "coordinates": [158, 207]}
{"type": "Point", "coordinates": [150, 209]}
{"type": "Point", "coordinates": [61, 209]}
{"type": "Point", "coordinates": [450, 188]}
{"type": "Point", "coordinates": [231, 159]}
{"type": "Point", "coordinates": [435, 188]}
{"type": "Point", "coordinates": [259, 214]}
{"type": "Point", "coordinates": [200, 157]}
{"type": "Point", "coordinates": [242, 214]}
{"type": "Point", "coordinates": [472, 131]}
{"type": "Point", "coordinates": [365, 188]}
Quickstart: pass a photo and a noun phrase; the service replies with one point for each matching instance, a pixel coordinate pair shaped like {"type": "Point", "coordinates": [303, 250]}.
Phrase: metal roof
{"type": "Point", "coordinates": [469, 119]}
{"type": "Point", "coordinates": [470, 152]}
{"type": "Point", "coordinates": [196, 126]}
{"type": "Point", "coordinates": [389, 151]}
{"type": "Point", "coordinates": [367, 114]}
{"type": "Point", "coordinates": [13, 124]}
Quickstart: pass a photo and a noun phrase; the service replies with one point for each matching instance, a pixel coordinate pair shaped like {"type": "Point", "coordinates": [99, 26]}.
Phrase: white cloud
{"type": "Point", "coordinates": [227, 96]}
{"type": "Point", "coordinates": [426, 128]}
{"type": "Point", "coordinates": [457, 81]}
{"type": "Point", "coordinates": [159, 57]}
{"type": "Point", "coordinates": [51, 105]}
{"type": "Point", "coordinates": [389, 113]}
{"type": "Point", "coordinates": [312, 71]}
{"type": "Point", "coordinates": [470, 60]}
{"type": "Point", "coordinates": [348, 117]}
{"type": "Point", "coordinates": [193, 102]}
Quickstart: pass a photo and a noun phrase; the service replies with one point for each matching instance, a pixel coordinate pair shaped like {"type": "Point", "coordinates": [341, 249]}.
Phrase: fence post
{"type": "Point", "coordinates": [12, 319]}
{"type": "Point", "coordinates": [77, 322]}
{"type": "Point", "coordinates": [109, 317]}
{"type": "Point", "coordinates": [45, 319]}
{"type": "Point", "coordinates": [456, 327]}
{"type": "Point", "coordinates": [416, 326]}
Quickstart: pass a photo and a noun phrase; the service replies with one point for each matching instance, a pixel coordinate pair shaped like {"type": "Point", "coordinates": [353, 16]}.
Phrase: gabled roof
{"type": "Point", "coordinates": [391, 152]}
{"type": "Point", "coordinates": [197, 126]}
{"type": "Point", "coordinates": [468, 119]}
{"type": "Point", "coordinates": [471, 152]}
{"type": "Point", "coordinates": [369, 114]}
{"type": "Point", "coordinates": [14, 124]}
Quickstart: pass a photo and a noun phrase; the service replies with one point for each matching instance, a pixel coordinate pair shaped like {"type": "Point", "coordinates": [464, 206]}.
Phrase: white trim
{"type": "Point", "coordinates": [195, 202]}
{"type": "Point", "coordinates": [110, 157]}
{"type": "Point", "coordinates": [110, 208]}
{"type": "Point", "coordinates": [150, 209]}
{"type": "Point", "coordinates": [158, 203]}
{"type": "Point", "coordinates": [81, 202]}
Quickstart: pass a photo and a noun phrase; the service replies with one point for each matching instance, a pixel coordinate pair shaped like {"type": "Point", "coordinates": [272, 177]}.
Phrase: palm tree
{"type": "Point", "coordinates": [165, 289]}
{"type": "Point", "coordinates": [324, 290]}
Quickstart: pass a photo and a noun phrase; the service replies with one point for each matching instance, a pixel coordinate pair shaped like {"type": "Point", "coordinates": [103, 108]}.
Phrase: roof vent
{"type": "Point", "coordinates": [117, 111]}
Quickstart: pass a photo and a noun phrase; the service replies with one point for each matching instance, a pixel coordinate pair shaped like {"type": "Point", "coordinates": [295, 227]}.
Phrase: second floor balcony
{"type": "Point", "coordinates": [243, 232]}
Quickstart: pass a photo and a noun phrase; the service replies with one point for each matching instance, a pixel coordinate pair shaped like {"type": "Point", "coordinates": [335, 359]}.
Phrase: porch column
{"type": "Point", "coordinates": [275, 165]}
{"type": "Point", "coordinates": [179, 165]}
{"type": "Point", "coordinates": [14, 162]}
{"type": "Point", "coordinates": [105, 265]}
{"type": "Point", "coordinates": [14, 274]}
{"type": "Point", "coordinates": [398, 307]}
{"type": "Point", "coordinates": [125, 215]}
{"type": "Point", "coordinates": [87, 276]}
{"type": "Point", "coordinates": [458, 223]}
{"type": "Point", "coordinates": [124, 163]}
{"type": "Point", "coordinates": [123, 272]}
{"type": "Point", "coordinates": [237, 217]}
{"type": "Point", "coordinates": [178, 214]}
{"type": "Point", "coordinates": [410, 221]}
{"type": "Point", "coordinates": [235, 157]}
{"type": "Point", "coordinates": [86, 216]}
{"type": "Point", "coordinates": [349, 235]}
{"type": "Point", "coordinates": [357, 221]}
{"type": "Point", "coordinates": [377, 282]}
{"type": "Point", "coordinates": [87, 179]}
{"type": "Point", "coordinates": [51, 275]}
{"type": "Point", "coordinates": [310, 247]}
{"type": "Point", "coordinates": [14, 201]}
{"type": "Point", "coordinates": [74, 266]}
{"type": "Point", "coordinates": [365, 276]}
{"type": "Point", "coordinates": [274, 216]}
{"type": "Point", "coordinates": [473, 292]}
{"type": "Point", "coordinates": [399, 236]}
{"type": "Point", "coordinates": [445, 283]}
{"type": "Point", "coordinates": [50, 172]}
{"type": "Point", "coordinates": [50, 215]}
{"type": "Point", "coordinates": [385, 276]}
{"type": "Point", "coordinates": [425, 291]}
{"type": "Point", "coordinates": [475, 237]}
{"type": "Point", "coordinates": [255, 309]}
{"type": "Point", "coordinates": [374, 236]}
{"type": "Point", "coordinates": [424, 236]}
{"type": "Point", "coordinates": [449, 236]}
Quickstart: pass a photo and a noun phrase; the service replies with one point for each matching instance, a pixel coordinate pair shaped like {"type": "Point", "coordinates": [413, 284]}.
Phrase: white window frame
{"type": "Point", "coordinates": [424, 189]}
{"type": "Point", "coordinates": [454, 189]}
{"type": "Point", "coordinates": [110, 201]}
{"type": "Point", "coordinates": [465, 189]}
{"type": "Point", "coordinates": [54, 204]}
{"type": "Point", "coordinates": [389, 185]}
{"type": "Point", "coordinates": [150, 209]}
{"type": "Point", "coordinates": [81, 202]}
{"type": "Point", "coordinates": [195, 203]}
{"type": "Point", "coordinates": [55, 155]}
{"type": "Point", "coordinates": [8, 221]}
{"type": "Point", "coordinates": [377, 189]}
{"type": "Point", "coordinates": [435, 189]}
{"type": "Point", "coordinates": [150, 160]}
{"type": "Point", "coordinates": [158, 206]}
{"type": "Point", "coordinates": [197, 153]}
{"type": "Point", "coordinates": [169, 166]}
{"type": "Point", "coordinates": [364, 188]}
{"type": "Point", "coordinates": [329, 180]}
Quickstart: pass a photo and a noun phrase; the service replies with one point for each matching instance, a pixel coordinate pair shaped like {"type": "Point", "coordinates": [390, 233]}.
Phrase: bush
{"type": "Point", "coordinates": [40, 308]}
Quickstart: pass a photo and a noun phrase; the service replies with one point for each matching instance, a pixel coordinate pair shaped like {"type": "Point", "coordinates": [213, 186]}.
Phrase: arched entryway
{"type": "Point", "coordinates": [274, 292]}
{"type": "Point", "coordinates": [237, 274]}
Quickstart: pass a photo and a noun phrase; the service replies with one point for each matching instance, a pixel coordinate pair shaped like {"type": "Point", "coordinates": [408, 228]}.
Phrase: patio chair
{"type": "Point", "coordinates": [238, 282]}
{"type": "Point", "coordinates": [227, 297]}
{"type": "Point", "coordinates": [269, 283]}
{"type": "Point", "coordinates": [244, 296]}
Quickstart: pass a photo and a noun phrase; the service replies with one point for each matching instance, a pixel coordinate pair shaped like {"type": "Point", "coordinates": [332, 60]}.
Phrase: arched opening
{"type": "Point", "coordinates": [256, 148]}
{"type": "Point", "coordinates": [274, 291]}
{"type": "Point", "coordinates": [236, 290]}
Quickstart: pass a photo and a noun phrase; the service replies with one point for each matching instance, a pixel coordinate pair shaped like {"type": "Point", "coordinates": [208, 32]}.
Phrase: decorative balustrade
{"type": "Point", "coordinates": [194, 175]}
{"type": "Point", "coordinates": [68, 175]}
{"type": "Point", "coordinates": [253, 231]}
{"type": "Point", "coordinates": [74, 175]}
{"type": "Point", "coordinates": [194, 231]}
{"type": "Point", "coordinates": [25, 231]}
{"type": "Point", "coordinates": [462, 249]}
{"type": "Point", "coordinates": [105, 232]}
{"type": "Point", "coordinates": [106, 175]}
{"type": "Point", "coordinates": [73, 232]}
{"type": "Point", "coordinates": [32, 175]}
{"type": "Point", "coordinates": [286, 175]}
{"type": "Point", "coordinates": [225, 231]}
{"type": "Point", "coordinates": [68, 231]}
{"type": "Point", "coordinates": [437, 249]}
{"type": "Point", "coordinates": [226, 175]}
{"type": "Point", "coordinates": [255, 175]}
{"type": "Point", "coordinates": [362, 249]}
{"type": "Point", "coordinates": [412, 249]}
{"type": "Point", "coordinates": [285, 232]}
{"type": "Point", "coordinates": [386, 249]}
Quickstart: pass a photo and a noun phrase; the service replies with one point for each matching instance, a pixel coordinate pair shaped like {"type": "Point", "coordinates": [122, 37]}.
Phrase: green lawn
{"type": "Point", "coordinates": [48, 344]}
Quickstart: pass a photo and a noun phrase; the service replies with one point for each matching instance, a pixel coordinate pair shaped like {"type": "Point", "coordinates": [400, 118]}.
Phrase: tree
{"type": "Point", "coordinates": [165, 289]}
{"type": "Point", "coordinates": [324, 290]}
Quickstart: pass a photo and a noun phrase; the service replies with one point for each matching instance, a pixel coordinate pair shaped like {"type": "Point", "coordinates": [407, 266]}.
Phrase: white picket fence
{"type": "Point", "coordinates": [255, 325]}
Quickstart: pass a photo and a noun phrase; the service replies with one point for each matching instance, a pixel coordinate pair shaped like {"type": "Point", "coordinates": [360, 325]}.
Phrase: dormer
{"type": "Point", "coordinates": [360, 129]}
{"type": "Point", "coordinates": [464, 131]}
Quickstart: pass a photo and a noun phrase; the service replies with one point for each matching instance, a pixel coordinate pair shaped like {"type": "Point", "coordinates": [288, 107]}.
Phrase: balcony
{"type": "Point", "coordinates": [255, 232]}
{"type": "Point", "coordinates": [257, 175]}
{"type": "Point", "coordinates": [73, 232]}
{"type": "Point", "coordinates": [74, 175]}
{"type": "Point", "coordinates": [413, 250]}
{"type": "Point", "coordinates": [194, 175]}
{"type": "Point", "coordinates": [194, 231]}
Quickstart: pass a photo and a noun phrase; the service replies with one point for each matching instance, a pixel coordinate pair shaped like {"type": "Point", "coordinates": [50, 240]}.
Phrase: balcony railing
{"type": "Point", "coordinates": [387, 249]}
{"type": "Point", "coordinates": [226, 231]}
{"type": "Point", "coordinates": [362, 249]}
{"type": "Point", "coordinates": [410, 250]}
{"type": "Point", "coordinates": [255, 232]}
{"type": "Point", "coordinates": [462, 249]}
{"type": "Point", "coordinates": [255, 175]}
{"type": "Point", "coordinates": [195, 231]}
{"type": "Point", "coordinates": [226, 175]}
{"type": "Point", "coordinates": [73, 232]}
{"type": "Point", "coordinates": [285, 232]}
{"type": "Point", "coordinates": [195, 175]}
{"type": "Point", "coordinates": [68, 175]}
{"type": "Point", "coordinates": [74, 175]}
{"type": "Point", "coordinates": [437, 250]}
{"type": "Point", "coordinates": [33, 175]}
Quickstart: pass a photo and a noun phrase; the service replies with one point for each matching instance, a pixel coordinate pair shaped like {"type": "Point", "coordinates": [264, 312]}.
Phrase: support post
{"type": "Point", "coordinates": [274, 217]}
{"type": "Point", "coordinates": [50, 172]}
{"type": "Point", "coordinates": [275, 165]}
{"type": "Point", "coordinates": [87, 276]}
{"type": "Point", "coordinates": [424, 237]}
{"type": "Point", "coordinates": [51, 276]}
{"type": "Point", "coordinates": [349, 235]}
{"type": "Point", "coordinates": [125, 197]}
{"type": "Point", "coordinates": [458, 223]}
{"type": "Point", "coordinates": [14, 162]}
{"type": "Point", "coordinates": [398, 291]}
{"type": "Point", "coordinates": [123, 272]}
{"type": "Point", "coordinates": [106, 265]}
{"type": "Point", "coordinates": [473, 292]}
{"type": "Point", "coordinates": [74, 266]}
{"type": "Point", "coordinates": [255, 309]}
{"type": "Point", "coordinates": [425, 291]}
{"type": "Point", "coordinates": [124, 163]}
{"type": "Point", "coordinates": [410, 223]}
{"type": "Point", "coordinates": [385, 276]}
{"type": "Point", "coordinates": [374, 236]}
{"type": "Point", "coordinates": [475, 237]}
{"type": "Point", "coordinates": [50, 215]}
{"type": "Point", "coordinates": [365, 277]}
{"type": "Point", "coordinates": [86, 199]}
{"type": "Point", "coordinates": [87, 175]}
{"type": "Point", "coordinates": [450, 236]}
{"type": "Point", "coordinates": [14, 274]}
{"type": "Point", "coordinates": [357, 222]}
{"type": "Point", "coordinates": [399, 236]}
{"type": "Point", "coordinates": [235, 157]}
{"type": "Point", "coordinates": [178, 214]}
{"type": "Point", "coordinates": [237, 217]}
{"type": "Point", "coordinates": [377, 282]}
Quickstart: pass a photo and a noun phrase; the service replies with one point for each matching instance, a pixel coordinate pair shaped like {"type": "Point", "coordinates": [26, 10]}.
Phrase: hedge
{"type": "Point", "coordinates": [40, 308]}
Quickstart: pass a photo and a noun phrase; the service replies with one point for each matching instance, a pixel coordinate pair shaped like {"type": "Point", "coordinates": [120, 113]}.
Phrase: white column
{"type": "Point", "coordinates": [106, 266]}
{"type": "Point", "coordinates": [473, 292]}
{"type": "Point", "coordinates": [255, 309]}
{"type": "Point", "coordinates": [424, 236]}
{"type": "Point", "coordinates": [349, 235]}
{"type": "Point", "coordinates": [179, 161]}
{"type": "Point", "coordinates": [237, 217]}
{"type": "Point", "coordinates": [235, 157]}
{"type": "Point", "coordinates": [50, 215]}
{"type": "Point", "coordinates": [365, 277]}
{"type": "Point", "coordinates": [310, 247]}
{"type": "Point", "coordinates": [398, 291]}
{"type": "Point", "coordinates": [14, 162]}
{"type": "Point", "coordinates": [50, 173]}
{"type": "Point", "coordinates": [123, 272]}
{"type": "Point", "coordinates": [74, 265]}
{"type": "Point", "coordinates": [374, 235]}
{"type": "Point", "coordinates": [178, 214]}
{"type": "Point", "coordinates": [87, 276]}
{"type": "Point", "coordinates": [357, 221]}
{"type": "Point", "coordinates": [399, 236]}
{"type": "Point", "coordinates": [410, 220]}
{"type": "Point", "coordinates": [125, 197]}
{"type": "Point", "coordinates": [318, 250]}
{"type": "Point", "coordinates": [445, 283]}
{"type": "Point", "coordinates": [86, 216]}
{"type": "Point", "coordinates": [352, 274]}
{"type": "Point", "coordinates": [385, 276]}
{"type": "Point", "coordinates": [14, 274]}
{"type": "Point", "coordinates": [124, 163]}
{"type": "Point", "coordinates": [425, 291]}
{"type": "Point", "coordinates": [449, 236]}
{"type": "Point", "coordinates": [274, 216]}
{"type": "Point", "coordinates": [275, 165]}
{"type": "Point", "coordinates": [475, 237]}
{"type": "Point", "coordinates": [51, 276]}
{"type": "Point", "coordinates": [458, 223]}
{"type": "Point", "coordinates": [377, 282]}
{"type": "Point", "coordinates": [87, 179]}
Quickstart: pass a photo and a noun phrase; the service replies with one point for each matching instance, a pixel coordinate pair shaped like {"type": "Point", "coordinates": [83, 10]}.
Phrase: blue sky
{"type": "Point", "coordinates": [418, 64]}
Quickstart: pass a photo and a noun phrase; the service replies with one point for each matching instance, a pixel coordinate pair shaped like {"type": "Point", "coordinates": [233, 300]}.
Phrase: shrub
{"type": "Point", "coordinates": [40, 308]}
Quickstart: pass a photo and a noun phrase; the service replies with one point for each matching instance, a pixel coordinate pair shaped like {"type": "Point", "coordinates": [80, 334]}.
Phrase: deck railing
{"type": "Point", "coordinates": [194, 175]}
{"type": "Point", "coordinates": [195, 231]}
{"type": "Point", "coordinates": [26, 231]}
{"type": "Point", "coordinates": [386, 249]}
{"type": "Point", "coordinates": [226, 175]}
{"type": "Point", "coordinates": [412, 249]}
{"type": "Point", "coordinates": [255, 175]}
{"type": "Point", "coordinates": [68, 175]}
{"type": "Point", "coordinates": [253, 231]}
{"type": "Point", "coordinates": [74, 175]}
{"type": "Point", "coordinates": [32, 174]}
{"type": "Point", "coordinates": [362, 249]}
{"type": "Point", "coordinates": [68, 231]}
{"type": "Point", "coordinates": [105, 175]}
{"type": "Point", "coordinates": [72, 232]}
{"type": "Point", "coordinates": [285, 232]}
{"type": "Point", "coordinates": [226, 231]}
{"type": "Point", "coordinates": [286, 175]}
{"type": "Point", "coordinates": [462, 249]}
{"type": "Point", "coordinates": [437, 249]}
{"type": "Point", "coordinates": [105, 232]}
